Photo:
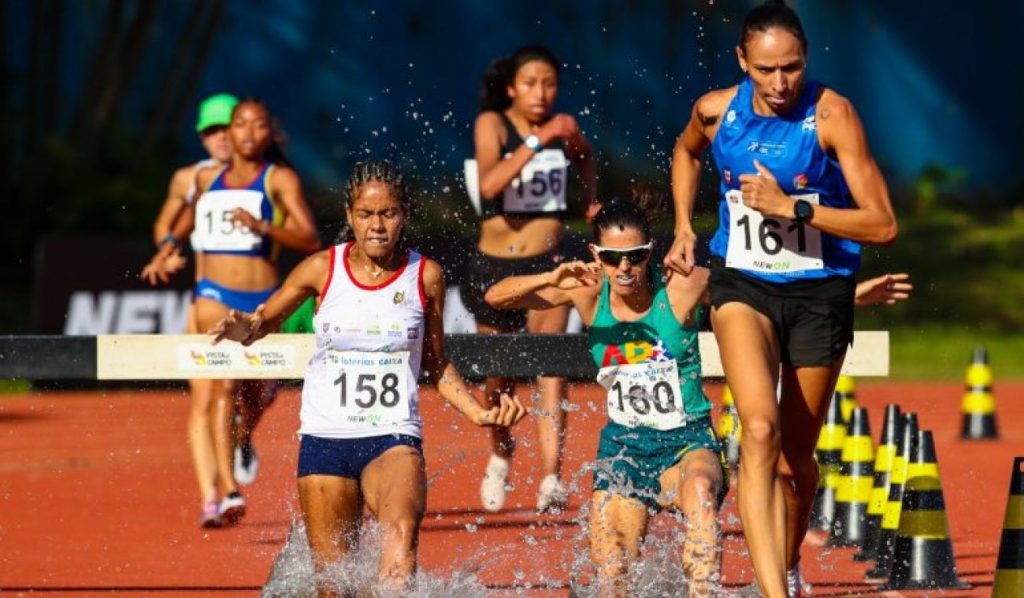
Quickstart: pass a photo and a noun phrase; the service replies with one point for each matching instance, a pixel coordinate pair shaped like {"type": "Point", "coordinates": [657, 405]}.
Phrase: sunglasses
{"type": "Point", "coordinates": [613, 256]}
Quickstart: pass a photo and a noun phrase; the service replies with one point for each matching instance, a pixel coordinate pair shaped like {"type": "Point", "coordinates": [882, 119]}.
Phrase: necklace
{"type": "Point", "coordinates": [373, 275]}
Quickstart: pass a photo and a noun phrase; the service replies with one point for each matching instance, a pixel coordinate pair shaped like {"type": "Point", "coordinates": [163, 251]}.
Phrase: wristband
{"type": "Point", "coordinates": [170, 239]}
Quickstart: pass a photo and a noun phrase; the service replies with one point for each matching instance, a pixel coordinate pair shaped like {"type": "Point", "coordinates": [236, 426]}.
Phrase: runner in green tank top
{"type": "Point", "coordinates": [658, 448]}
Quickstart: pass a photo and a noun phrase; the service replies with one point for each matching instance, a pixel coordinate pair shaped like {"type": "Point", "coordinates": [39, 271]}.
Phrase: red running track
{"type": "Point", "coordinates": [97, 494]}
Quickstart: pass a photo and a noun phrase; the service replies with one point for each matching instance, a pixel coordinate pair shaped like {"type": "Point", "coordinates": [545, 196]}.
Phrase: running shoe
{"type": "Point", "coordinates": [797, 586]}
{"type": "Point", "coordinates": [493, 487]}
{"type": "Point", "coordinates": [232, 508]}
{"type": "Point", "coordinates": [247, 463]}
{"type": "Point", "coordinates": [211, 515]}
{"type": "Point", "coordinates": [552, 494]}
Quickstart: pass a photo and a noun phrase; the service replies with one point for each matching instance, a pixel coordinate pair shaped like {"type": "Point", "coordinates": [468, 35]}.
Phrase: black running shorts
{"type": "Point", "coordinates": [812, 318]}
{"type": "Point", "coordinates": [483, 271]}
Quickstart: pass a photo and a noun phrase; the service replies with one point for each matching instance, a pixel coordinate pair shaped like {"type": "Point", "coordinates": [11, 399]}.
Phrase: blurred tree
{"type": "Point", "coordinates": [74, 164]}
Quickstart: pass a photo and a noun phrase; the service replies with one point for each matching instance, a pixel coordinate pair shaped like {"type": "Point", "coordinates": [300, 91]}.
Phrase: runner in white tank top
{"type": "Point", "coordinates": [354, 323]}
{"type": "Point", "coordinates": [379, 317]}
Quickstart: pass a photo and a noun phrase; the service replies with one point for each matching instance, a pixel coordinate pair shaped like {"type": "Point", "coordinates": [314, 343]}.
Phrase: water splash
{"type": "Point", "coordinates": [292, 575]}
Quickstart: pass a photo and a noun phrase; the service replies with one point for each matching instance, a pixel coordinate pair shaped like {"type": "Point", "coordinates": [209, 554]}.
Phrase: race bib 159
{"type": "Point", "coordinates": [214, 229]}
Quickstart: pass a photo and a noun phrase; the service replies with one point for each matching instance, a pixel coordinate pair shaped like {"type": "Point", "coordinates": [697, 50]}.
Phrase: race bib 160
{"type": "Point", "coordinates": [644, 394]}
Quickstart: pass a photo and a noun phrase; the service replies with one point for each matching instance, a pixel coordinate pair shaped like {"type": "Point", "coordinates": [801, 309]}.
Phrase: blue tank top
{"type": "Point", "coordinates": [269, 211]}
{"type": "Point", "coordinates": [787, 146]}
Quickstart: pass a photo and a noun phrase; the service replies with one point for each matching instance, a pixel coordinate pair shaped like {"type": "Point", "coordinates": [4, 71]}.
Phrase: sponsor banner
{"type": "Point", "coordinates": [199, 357]}
{"type": "Point", "coordinates": [91, 285]}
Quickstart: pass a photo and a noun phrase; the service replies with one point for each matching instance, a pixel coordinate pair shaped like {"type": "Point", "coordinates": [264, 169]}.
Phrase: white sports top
{"type": "Point", "coordinates": [362, 379]}
{"type": "Point", "coordinates": [207, 163]}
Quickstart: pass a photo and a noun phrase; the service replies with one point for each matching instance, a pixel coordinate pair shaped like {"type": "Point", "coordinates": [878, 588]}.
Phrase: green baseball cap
{"type": "Point", "coordinates": [216, 111]}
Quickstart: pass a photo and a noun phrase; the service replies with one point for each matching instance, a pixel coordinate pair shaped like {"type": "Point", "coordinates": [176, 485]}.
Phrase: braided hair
{"type": "Point", "coordinates": [375, 171]}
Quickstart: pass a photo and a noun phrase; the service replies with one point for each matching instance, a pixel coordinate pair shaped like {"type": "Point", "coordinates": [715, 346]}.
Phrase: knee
{"type": "Point", "coordinates": [702, 489]}
{"type": "Point", "coordinates": [761, 434]}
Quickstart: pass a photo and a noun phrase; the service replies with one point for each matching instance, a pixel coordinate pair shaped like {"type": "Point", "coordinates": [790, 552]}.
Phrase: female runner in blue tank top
{"type": "Point", "coordinates": [245, 212]}
{"type": "Point", "coordinates": [658, 448]}
{"type": "Point", "coordinates": [522, 151]}
{"type": "Point", "coordinates": [800, 194]}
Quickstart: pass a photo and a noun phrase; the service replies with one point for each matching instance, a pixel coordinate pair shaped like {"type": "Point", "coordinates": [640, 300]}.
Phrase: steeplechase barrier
{"type": "Point", "coordinates": [285, 356]}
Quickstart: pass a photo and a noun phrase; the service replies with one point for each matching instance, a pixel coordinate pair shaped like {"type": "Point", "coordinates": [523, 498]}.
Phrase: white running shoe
{"type": "Point", "coordinates": [552, 494]}
{"type": "Point", "coordinates": [247, 464]}
{"type": "Point", "coordinates": [492, 487]}
{"type": "Point", "coordinates": [211, 515]}
{"type": "Point", "coordinates": [232, 508]}
{"type": "Point", "coordinates": [796, 586]}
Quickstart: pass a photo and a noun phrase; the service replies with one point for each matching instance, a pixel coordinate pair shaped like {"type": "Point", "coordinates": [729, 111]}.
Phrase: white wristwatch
{"type": "Point", "coordinates": [533, 142]}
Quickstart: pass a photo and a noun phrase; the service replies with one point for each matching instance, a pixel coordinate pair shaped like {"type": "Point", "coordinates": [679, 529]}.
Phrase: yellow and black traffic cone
{"type": "Point", "coordinates": [979, 404]}
{"type": "Point", "coordinates": [856, 477]}
{"type": "Point", "coordinates": [829, 452]}
{"type": "Point", "coordinates": [1009, 580]}
{"type": "Point", "coordinates": [846, 388]}
{"type": "Point", "coordinates": [894, 502]}
{"type": "Point", "coordinates": [923, 552]}
{"type": "Point", "coordinates": [885, 454]}
{"type": "Point", "coordinates": [729, 429]}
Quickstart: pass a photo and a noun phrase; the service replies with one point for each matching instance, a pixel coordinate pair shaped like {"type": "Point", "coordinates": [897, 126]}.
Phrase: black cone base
{"type": "Point", "coordinates": [824, 509]}
{"type": "Point", "coordinates": [979, 427]}
{"type": "Point", "coordinates": [923, 564]}
{"type": "Point", "coordinates": [848, 525]}
{"type": "Point", "coordinates": [872, 529]}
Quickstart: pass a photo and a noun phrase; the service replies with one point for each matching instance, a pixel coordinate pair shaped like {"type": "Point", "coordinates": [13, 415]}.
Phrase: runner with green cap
{"type": "Point", "coordinates": [215, 111]}
{"type": "Point", "coordinates": [212, 127]}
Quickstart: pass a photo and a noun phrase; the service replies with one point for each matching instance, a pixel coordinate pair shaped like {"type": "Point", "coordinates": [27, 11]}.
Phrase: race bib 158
{"type": "Point", "coordinates": [371, 387]}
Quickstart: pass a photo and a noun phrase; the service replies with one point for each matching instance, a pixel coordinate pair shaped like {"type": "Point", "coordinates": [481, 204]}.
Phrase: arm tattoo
{"type": "Point", "coordinates": [707, 120]}
{"type": "Point", "coordinates": [825, 113]}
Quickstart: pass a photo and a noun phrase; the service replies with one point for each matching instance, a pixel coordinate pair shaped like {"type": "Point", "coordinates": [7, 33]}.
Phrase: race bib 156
{"type": "Point", "coordinates": [540, 186]}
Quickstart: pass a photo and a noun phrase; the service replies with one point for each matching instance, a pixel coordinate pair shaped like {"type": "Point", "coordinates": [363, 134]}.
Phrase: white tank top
{"type": "Point", "coordinates": [207, 163]}
{"type": "Point", "coordinates": [362, 379]}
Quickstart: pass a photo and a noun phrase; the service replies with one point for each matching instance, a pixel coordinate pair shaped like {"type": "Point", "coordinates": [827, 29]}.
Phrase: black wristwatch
{"type": "Point", "coordinates": [803, 210]}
